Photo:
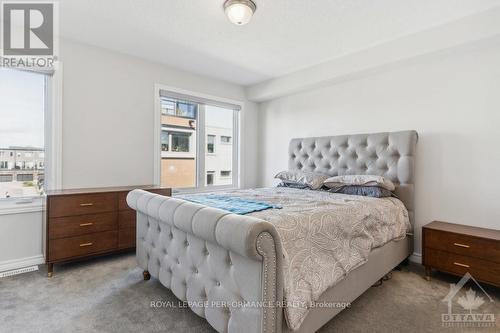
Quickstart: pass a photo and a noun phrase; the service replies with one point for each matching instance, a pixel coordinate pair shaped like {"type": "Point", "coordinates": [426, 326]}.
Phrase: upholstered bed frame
{"type": "Point", "coordinates": [217, 261]}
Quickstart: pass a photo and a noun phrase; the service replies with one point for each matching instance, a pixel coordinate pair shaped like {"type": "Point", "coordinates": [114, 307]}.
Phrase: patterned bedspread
{"type": "Point", "coordinates": [325, 236]}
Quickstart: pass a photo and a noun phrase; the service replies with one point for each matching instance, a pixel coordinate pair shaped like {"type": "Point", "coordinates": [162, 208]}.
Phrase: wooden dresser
{"type": "Point", "coordinates": [458, 249]}
{"type": "Point", "coordinates": [82, 223]}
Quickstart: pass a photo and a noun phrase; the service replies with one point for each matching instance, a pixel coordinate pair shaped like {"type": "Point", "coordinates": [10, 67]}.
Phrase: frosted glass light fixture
{"type": "Point", "coordinates": [239, 11]}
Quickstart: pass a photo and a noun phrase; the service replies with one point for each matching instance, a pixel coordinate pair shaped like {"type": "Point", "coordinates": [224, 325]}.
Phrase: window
{"type": "Point", "coordinates": [176, 142]}
{"type": "Point", "coordinates": [22, 104]}
{"type": "Point", "coordinates": [24, 177]}
{"type": "Point", "coordinates": [210, 144]}
{"type": "Point", "coordinates": [180, 142]}
{"type": "Point", "coordinates": [178, 108]}
{"type": "Point", "coordinates": [190, 153]}
{"type": "Point", "coordinates": [5, 178]}
{"type": "Point", "coordinates": [210, 177]}
{"type": "Point", "coordinates": [168, 107]}
{"type": "Point", "coordinates": [165, 140]}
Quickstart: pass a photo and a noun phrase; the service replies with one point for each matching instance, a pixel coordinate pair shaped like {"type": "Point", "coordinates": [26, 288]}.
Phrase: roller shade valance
{"type": "Point", "coordinates": [200, 100]}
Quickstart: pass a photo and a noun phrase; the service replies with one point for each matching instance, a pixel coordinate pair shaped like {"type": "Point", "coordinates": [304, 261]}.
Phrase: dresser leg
{"type": "Point", "coordinates": [50, 269]}
{"type": "Point", "coordinates": [146, 275]}
{"type": "Point", "coordinates": [428, 271]}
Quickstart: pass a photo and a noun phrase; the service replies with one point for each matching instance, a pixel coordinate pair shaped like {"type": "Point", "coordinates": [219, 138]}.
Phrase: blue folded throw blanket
{"type": "Point", "coordinates": [235, 205]}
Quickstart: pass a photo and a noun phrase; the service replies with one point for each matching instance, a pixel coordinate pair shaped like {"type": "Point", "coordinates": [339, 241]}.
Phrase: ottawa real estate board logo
{"type": "Point", "coordinates": [28, 33]}
{"type": "Point", "coordinates": [471, 302]}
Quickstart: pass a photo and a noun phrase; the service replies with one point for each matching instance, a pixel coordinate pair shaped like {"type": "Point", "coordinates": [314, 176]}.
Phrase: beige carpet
{"type": "Point", "coordinates": [109, 295]}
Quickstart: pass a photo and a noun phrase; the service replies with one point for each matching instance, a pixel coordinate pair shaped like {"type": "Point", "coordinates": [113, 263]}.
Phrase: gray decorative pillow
{"type": "Point", "coordinates": [310, 179]}
{"type": "Point", "coordinates": [359, 180]}
{"type": "Point", "coordinates": [293, 185]}
{"type": "Point", "coordinates": [365, 191]}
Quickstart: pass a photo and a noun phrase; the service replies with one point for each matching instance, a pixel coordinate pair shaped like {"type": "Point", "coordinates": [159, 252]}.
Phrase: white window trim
{"type": "Point", "coordinates": [53, 148]}
{"type": "Point", "coordinates": [200, 174]}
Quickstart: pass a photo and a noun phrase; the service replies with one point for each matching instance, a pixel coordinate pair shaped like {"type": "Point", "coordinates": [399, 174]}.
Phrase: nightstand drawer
{"type": "Point", "coordinates": [60, 227]}
{"type": "Point", "coordinates": [82, 245]}
{"type": "Point", "coordinates": [483, 270]}
{"type": "Point", "coordinates": [462, 244]}
{"type": "Point", "coordinates": [71, 205]}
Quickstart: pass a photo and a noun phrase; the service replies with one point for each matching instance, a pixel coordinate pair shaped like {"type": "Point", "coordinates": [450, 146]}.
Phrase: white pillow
{"type": "Point", "coordinates": [310, 179]}
{"type": "Point", "coordinates": [359, 180]}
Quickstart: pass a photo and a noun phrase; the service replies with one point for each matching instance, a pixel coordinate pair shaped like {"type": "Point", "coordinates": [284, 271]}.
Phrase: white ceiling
{"type": "Point", "coordinates": [284, 35]}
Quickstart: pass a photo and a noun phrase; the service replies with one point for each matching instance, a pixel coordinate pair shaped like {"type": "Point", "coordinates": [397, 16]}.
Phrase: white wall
{"type": "Point", "coordinates": [20, 240]}
{"type": "Point", "coordinates": [452, 100]}
{"type": "Point", "coordinates": [108, 110]}
{"type": "Point", "coordinates": [108, 116]}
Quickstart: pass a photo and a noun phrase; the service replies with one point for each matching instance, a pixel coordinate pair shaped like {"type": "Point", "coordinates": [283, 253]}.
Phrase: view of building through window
{"type": "Point", "coordinates": [22, 156]}
{"type": "Point", "coordinates": [179, 139]}
{"type": "Point", "coordinates": [219, 124]}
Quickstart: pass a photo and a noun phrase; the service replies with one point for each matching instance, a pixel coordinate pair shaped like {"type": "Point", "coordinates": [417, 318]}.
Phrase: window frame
{"type": "Point", "coordinates": [201, 141]}
{"type": "Point", "coordinates": [52, 146]}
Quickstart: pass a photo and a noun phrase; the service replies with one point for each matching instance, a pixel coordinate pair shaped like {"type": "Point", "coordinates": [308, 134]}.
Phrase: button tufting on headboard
{"type": "Point", "coordinates": [390, 154]}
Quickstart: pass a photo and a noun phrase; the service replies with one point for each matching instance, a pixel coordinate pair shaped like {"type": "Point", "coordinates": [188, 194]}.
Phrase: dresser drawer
{"type": "Point", "coordinates": [126, 238]}
{"type": "Point", "coordinates": [82, 245]}
{"type": "Point", "coordinates": [462, 244]}
{"type": "Point", "coordinates": [126, 219]}
{"type": "Point", "coordinates": [71, 205]}
{"type": "Point", "coordinates": [60, 227]}
{"type": "Point", "coordinates": [483, 270]}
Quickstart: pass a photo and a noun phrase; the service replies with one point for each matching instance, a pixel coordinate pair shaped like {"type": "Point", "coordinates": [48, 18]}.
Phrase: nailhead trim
{"type": "Point", "coordinates": [265, 236]}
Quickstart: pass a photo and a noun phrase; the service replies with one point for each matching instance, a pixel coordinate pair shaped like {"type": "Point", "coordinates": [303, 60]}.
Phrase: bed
{"type": "Point", "coordinates": [238, 271]}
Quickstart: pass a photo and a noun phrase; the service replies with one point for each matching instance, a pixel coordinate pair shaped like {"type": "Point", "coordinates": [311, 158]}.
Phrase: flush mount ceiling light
{"type": "Point", "coordinates": [239, 11]}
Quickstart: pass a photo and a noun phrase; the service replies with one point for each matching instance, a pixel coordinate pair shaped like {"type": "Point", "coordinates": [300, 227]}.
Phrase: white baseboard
{"type": "Point", "coordinates": [21, 263]}
{"type": "Point", "coordinates": [416, 258]}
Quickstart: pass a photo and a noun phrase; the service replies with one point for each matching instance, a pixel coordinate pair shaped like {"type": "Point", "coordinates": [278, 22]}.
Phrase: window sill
{"type": "Point", "coordinates": [21, 205]}
{"type": "Point", "coordinates": [203, 190]}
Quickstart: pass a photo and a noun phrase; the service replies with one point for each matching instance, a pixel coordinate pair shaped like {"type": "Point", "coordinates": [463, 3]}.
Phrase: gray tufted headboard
{"type": "Point", "coordinates": [391, 155]}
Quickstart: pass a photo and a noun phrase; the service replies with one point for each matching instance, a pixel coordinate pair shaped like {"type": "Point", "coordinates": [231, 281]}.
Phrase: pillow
{"type": "Point", "coordinates": [310, 179]}
{"type": "Point", "coordinates": [293, 185]}
{"type": "Point", "coordinates": [359, 180]}
{"type": "Point", "coordinates": [365, 191]}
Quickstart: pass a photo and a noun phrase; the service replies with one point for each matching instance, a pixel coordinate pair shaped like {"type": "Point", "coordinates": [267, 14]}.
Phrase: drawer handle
{"type": "Point", "coordinates": [86, 244]}
{"type": "Point", "coordinates": [461, 265]}
{"type": "Point", "coordinates": [86, 224]}
{"type": "Point", "coordinates": [86, 204]}
{"type": "Point", "coordinates": [461, 245]}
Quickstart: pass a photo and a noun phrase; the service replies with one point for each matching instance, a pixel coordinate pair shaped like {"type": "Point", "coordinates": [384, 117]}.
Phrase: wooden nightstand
{"type": "Point", "coordinates": [458, 249]}
{"type": "Point", "coordinates": [83, 223]}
